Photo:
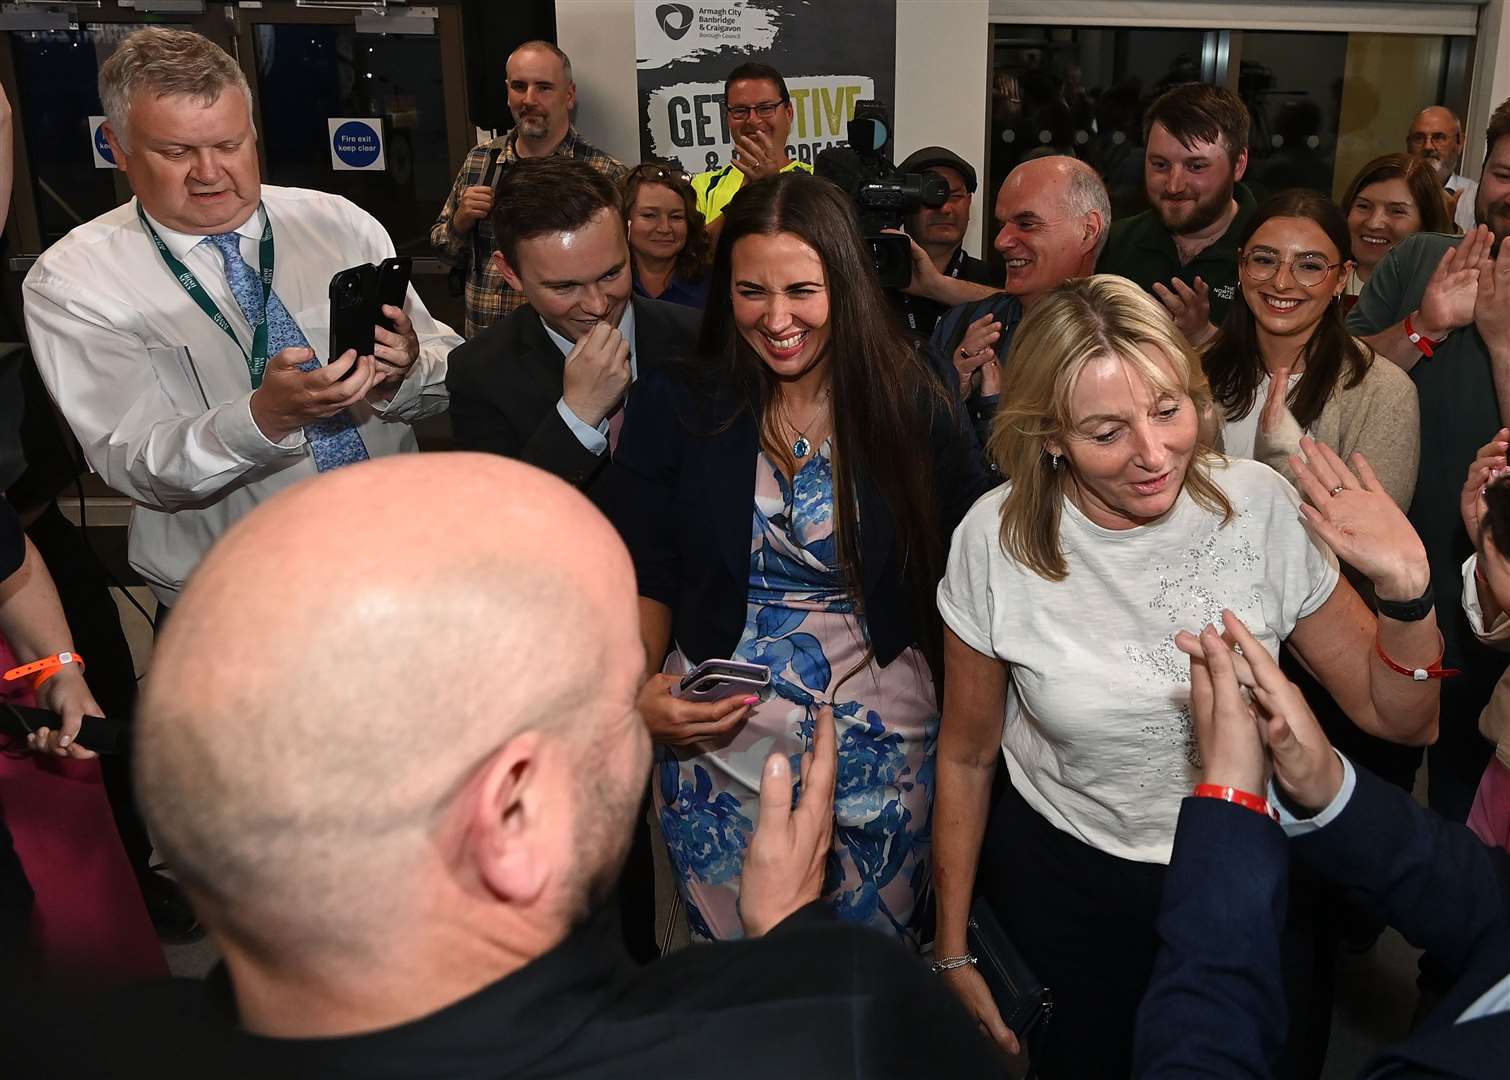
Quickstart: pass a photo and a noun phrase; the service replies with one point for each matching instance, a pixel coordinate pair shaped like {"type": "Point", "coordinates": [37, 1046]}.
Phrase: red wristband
{"type": "Point", "coordinates": [1427, 346]}
{"type": "Point", "coordinates": [1246, 799]}
{"type": "Point", "coordinates": [1434, 670]}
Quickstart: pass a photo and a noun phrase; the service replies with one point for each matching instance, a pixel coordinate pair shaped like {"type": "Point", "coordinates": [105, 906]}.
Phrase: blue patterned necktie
{"type": "Point", "coordinates": [334, 441]}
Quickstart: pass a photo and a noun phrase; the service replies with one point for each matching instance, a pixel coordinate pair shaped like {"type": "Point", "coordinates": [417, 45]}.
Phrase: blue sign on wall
{"type": "Point", "coordinates": [356, 143]}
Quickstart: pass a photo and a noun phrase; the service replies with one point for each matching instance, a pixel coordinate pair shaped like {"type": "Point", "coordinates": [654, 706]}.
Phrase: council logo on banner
{"type": "Point", "coordinates": [356, 144]}
{"type": "Point", "coordinates": [665, 33]}
{"type": "Point", "coordinates": [675, 20]}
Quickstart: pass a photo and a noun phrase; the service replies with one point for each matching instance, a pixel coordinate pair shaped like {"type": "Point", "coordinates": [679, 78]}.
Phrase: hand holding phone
{"type": "Point", "coordinates": [357, 298]}
{"type": "Point", "coordinates": [714, 680]}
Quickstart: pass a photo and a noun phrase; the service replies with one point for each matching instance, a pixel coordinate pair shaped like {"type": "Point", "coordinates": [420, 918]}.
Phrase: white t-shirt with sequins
{"type": "Point", "coordinates": [1097, 735]}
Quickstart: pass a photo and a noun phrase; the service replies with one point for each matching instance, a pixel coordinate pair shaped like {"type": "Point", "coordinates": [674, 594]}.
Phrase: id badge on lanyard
{"type": "Point", "coordinates": [256, 360]}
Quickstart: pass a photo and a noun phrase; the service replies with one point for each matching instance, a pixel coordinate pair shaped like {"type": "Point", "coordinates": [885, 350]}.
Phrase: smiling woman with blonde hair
{"type": "Point", "coordinates": [1064, 592]}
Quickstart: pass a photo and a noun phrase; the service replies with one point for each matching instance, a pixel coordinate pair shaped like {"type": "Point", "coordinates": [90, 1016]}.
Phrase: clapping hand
{"type": "Point", "coordinates": [1452, 292]}
{"type": "Point", "coordinates": [975, 359]}
{"type": "Point", "coordinates": [1359, 521]}
{"type": "Point", "coordinates": [1491, 305]}
{"type": "Point", "coordinates": [1189, 306]}
{"type": "Point", "coordinates": [1487, 467]}
{"type": "Point", "coordinates": [783, 867]}
{"type": "Point", "coordinates": [1229, 728]}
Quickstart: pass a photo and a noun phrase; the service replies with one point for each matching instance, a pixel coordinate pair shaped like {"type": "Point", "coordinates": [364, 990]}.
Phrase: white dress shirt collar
{"type": "Point", "coordinates": [180, 243]}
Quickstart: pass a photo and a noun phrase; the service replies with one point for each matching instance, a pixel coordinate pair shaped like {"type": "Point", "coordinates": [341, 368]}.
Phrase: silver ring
{"type": "Point", "coordinates": [1336, 489]}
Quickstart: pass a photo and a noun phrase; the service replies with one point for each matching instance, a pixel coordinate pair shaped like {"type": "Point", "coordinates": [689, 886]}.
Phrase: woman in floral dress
{"type": "Point", "coordinates": [788, 499]}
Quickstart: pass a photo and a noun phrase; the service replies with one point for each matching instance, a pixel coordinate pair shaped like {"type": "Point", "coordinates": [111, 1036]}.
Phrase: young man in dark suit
{"type": "Point", "coordinates": [547, 384]}
{"type": "Point", "coordinates": [1215, 1005]}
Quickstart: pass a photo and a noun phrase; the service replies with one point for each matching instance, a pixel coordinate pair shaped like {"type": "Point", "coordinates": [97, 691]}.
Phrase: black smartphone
{"type": "Point", "coordinates": [353, 300]}
{"type": "Point", "coordinates": [97, 733]}
{"type": "Point", "coordinates": [392, 287]}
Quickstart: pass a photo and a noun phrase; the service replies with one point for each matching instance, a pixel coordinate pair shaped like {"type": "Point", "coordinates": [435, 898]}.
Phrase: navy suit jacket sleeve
{"type": "Point", "coordinates": [1433, 880]}
{"type": "Point", "coordinates": [1216, 1005]}
{"type": "Point", "coordinates": [647, 466]}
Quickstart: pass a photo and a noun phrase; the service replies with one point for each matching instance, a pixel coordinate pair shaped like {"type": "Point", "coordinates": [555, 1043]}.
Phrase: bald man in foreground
{"type": "Point", "coordinates": [399, 790]}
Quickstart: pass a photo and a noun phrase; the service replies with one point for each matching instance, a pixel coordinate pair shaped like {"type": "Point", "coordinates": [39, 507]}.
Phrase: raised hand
{"type": "Point", "coordinates": [1359, 521]}
{"type": "Point", "coordinates": [1488, 466]}
{"type": "Point", "coordinates": [1491, 306]}
{"type": "Point", "coordinates": [1305, 765]}
{"type": "Point", "coordinates": [1226, 726]}
{"type": "Point", "coordinates": [1190, 307]}
{"type": "Point", "coordinates": [1453, 289]}
{"type": "Point", "coordinates": [783, 867]}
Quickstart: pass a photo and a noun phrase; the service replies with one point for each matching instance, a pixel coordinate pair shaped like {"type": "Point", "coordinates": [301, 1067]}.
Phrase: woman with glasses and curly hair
{"type": "Point", "coordinates": [668, 244]}
{"type": "Point", "coordinates": [787, 499]}
{"type": "Point", "coordinates": [1064, 591]}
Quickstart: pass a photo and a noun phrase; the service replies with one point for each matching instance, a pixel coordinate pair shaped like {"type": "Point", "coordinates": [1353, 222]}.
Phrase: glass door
{"type": "Point", "coordinates": [389, 93]}
{"type": "Point", "coordinates": [51, 75]}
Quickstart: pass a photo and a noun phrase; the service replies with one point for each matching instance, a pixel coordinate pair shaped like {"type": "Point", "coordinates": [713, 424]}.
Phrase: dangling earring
{"type": "Point", "coordinates": [1056, 462]}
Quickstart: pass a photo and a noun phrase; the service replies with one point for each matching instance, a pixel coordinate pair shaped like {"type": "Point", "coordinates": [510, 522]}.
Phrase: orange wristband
{"type": "Point", "coordinates": [44, 668]}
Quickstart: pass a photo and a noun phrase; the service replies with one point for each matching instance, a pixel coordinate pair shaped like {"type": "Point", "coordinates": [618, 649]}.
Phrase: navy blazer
{"type": "Point", "coordinates": [1215, 1005]}
{"type": "Point", "coordinates": [505, 383]}
{"type": "Point", "coordinates": [683, 499]}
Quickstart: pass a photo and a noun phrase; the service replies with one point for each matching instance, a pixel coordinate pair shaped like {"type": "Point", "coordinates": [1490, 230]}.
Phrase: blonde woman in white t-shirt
{"type": "Point", "coordinates": [1064, 591]}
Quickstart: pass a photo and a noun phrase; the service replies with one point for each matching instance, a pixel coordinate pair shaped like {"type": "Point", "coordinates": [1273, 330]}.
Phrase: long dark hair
{"type": "Point", "coordinates": [1421, 181]}
{"type": "Point", "coordinates": [1234, 364]}
{"type": "Point", "coordinates": [884, 396]}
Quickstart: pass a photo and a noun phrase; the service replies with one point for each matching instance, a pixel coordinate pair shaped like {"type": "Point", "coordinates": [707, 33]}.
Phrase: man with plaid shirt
{"type": "Point", "coordinates": [541, 97]}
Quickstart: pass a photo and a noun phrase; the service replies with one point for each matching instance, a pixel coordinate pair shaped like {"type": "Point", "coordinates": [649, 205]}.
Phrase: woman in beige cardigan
{"type": "Point", "coordinates": [1284, 364]}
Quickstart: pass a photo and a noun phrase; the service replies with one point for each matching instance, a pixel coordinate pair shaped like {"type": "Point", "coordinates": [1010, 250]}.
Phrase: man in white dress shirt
{"type": "Point", "coordinates": [184, 334]}
{"type": "Point", "coordinates": [1436, 134]}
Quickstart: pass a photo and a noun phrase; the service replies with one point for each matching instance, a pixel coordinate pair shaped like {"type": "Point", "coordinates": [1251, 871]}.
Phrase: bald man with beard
{"type": "Point", "coordinates": [398, 792]}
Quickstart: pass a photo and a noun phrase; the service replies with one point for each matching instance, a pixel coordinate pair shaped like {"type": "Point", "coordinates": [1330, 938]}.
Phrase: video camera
{"type": "Point", "coordinates": [863, 168]}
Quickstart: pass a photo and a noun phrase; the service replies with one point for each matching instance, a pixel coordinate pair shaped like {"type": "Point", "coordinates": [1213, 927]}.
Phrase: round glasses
{"type": "Point", "coordinates": [1307, 270]}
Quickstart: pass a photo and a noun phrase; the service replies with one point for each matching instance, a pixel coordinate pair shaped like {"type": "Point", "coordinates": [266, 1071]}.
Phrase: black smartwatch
{"type": "Point", "coordinates": [1407, 610]}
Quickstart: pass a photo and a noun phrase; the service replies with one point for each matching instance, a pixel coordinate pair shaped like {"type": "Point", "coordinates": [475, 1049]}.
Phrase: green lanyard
{"type": "Point", "coordinates": [256, 363]}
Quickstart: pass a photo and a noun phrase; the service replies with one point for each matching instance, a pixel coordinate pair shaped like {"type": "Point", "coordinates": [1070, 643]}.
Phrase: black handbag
{"type": "Point", "coordinates": [1025, 1004]}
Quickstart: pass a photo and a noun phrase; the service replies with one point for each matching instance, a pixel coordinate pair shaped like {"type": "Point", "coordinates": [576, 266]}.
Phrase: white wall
{"type": "Point", "coordinates": [598, 35]}
{"type": "Point", "coordinates": [1491, 81]}
{"type": "Point", "coordinates": [943, 52]}
{"type": "Point", "coordinates": [943, 87]}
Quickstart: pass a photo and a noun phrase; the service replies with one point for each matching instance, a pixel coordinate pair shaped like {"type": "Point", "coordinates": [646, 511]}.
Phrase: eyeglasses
{"type": "Point", "coordinates": [1307, 270]}
{"type": "Point", "coordinates": [765, 110]}
{"type": "Point", "coordinates": [1437, 138]}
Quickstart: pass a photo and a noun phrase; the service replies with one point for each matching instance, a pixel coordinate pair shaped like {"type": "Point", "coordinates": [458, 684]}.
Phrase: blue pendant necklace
{"type": "Point", "coordinates": [801, 447]}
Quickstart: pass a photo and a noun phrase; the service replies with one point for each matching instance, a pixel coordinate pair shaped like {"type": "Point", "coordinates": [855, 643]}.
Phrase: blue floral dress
{"type": "Point", "coordinates": [801, 623]}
